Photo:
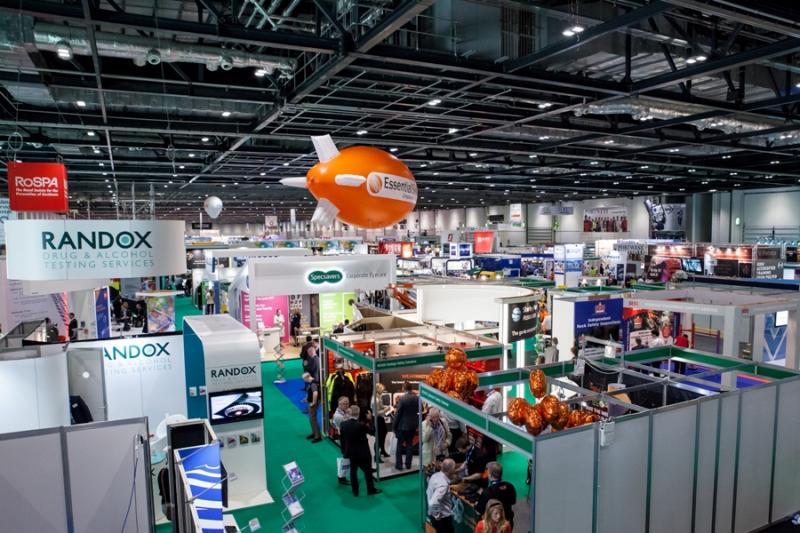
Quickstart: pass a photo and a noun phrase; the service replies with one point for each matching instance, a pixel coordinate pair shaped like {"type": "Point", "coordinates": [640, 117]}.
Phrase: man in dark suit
{"type": "Point", "coordinates": [355, 446]}
{"type": "Point", "coordinates": [406, 422]}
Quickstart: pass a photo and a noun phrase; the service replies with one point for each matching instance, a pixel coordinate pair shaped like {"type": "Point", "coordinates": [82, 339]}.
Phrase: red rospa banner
{"type": "Point", "coordinates": [483, 241]}
{"type": "Point", "coordinates": [38, 187]}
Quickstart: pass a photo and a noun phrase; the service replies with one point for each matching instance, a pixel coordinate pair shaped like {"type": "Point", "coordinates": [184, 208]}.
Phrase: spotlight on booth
{"type": "Point", "coordinates": [213, 206]}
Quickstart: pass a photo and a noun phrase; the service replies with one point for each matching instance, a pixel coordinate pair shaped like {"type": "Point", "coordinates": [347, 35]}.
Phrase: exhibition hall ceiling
{"type": "Point", "coordinates": [487, 101]}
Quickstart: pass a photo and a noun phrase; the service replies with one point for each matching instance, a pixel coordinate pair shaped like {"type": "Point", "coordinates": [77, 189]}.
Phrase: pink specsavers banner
{"type": "Point", "coordinates": [267, 308]}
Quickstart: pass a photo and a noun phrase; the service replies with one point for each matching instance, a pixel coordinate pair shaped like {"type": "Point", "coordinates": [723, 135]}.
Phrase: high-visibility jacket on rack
{"type": "Point", "coordinates": [340, 384]}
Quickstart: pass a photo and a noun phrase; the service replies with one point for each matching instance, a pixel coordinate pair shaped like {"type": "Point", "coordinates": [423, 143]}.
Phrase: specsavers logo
{"type": "Point", "coordinates": [319, 277]}
{"type": "Point", "coordinates": [392, 187]}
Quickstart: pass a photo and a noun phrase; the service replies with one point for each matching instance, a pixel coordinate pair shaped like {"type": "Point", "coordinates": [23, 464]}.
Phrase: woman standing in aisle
{"type": "Point", "coordinates": [380, 412]}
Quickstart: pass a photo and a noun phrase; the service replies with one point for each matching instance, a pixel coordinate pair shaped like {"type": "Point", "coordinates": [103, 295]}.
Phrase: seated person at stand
{"type": "Point", "coordinates": [494, 520]}
{"type": "Point", "coordinates": [498, 491]}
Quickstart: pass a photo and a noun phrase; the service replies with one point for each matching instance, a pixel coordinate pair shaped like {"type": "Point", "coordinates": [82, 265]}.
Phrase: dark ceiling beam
{"type": "Point", "coordinates": [588, 35]}
{"type": "Point", "coordinates": [716, 65]}
{"type": "Point", "coordinates": [400, 16]}
{"type": "Point", "coordinates": [224, 32]}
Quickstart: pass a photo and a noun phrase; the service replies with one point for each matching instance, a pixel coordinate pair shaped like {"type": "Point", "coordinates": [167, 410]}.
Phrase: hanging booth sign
{"type": "Point", "coordinates": [597, 314]}
{"type": "Point", "coordinates": [515, 214]}
{"type": "Point", "coordinates": [88, 249]}
{"type": "Point", "coordinates": [401, 249]}
{"type": "Point", "coordinates": [38, 187]}
{"type": "Point", "coordinates": [483, 242]}
{"type": "Point", "coordinates": [521, 318]}
{"type": "Point", "coordinates": [556, 210]}
{"type": "Point", "coordinates": [611, 219]}
{"type": "Point", "coordinates": [768, 262]}
{"type": "Point", "coordinates": [5, 214]}
{"type": "Point", "coordinates": [319, 274]}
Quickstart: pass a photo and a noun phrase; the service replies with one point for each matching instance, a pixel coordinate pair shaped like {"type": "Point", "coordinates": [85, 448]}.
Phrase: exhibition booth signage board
{"type": "Point", "coordinates": [38, 187]}
{"type": "Point", "coordinates": [521, 321]}
{"type": "Point", "coordinates": [597, 313]}
{"type": "Point", "coordinates": [321, 274]}
{"type": "Point", "coordinates": [87, 249]}
{"type": "Point", "coordinates": [144, 376]}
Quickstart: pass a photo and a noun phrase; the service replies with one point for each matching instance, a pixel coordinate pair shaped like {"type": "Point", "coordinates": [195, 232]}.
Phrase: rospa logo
{"type": "Point", "coordinates": [39, 182]}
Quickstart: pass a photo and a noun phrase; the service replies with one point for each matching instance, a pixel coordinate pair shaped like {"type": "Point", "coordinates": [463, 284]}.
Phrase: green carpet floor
{"type": "Point", "coordinates": [184, 308]}
{"type": "Point", "coordinates": [330, 507]}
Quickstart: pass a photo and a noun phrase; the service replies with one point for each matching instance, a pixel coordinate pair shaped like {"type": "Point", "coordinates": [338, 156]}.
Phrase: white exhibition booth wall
{"type": "Point", "coordinates": [80, 479]}
{"type": "Point", "coordinates": [34, 392]}
{"type": "Point", "coordinates": [510, 307]}
{"type": "Point", "coordinates": [743, 314]}
{"type": "Point", "coordinates": [144, 376]}
{"type": "Point", "coordinates": [224, 356]}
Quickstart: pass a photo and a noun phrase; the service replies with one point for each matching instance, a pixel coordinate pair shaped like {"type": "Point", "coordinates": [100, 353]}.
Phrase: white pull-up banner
{"type": "Point", "coordinates": [41, 250]}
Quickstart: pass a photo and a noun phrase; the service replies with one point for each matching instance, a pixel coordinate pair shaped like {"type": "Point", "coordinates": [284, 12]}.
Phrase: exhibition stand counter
{"type": "Point", "coordinates": [670, 453]}
{"type": "Point", "coordinates": [765, 323]}
{"type": "Point", "coordinates": [405, 355]}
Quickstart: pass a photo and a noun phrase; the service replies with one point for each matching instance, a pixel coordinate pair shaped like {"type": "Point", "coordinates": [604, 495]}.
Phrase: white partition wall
{"type": "Point", "coordinates": [82, 479]}
{"type": "Point", "coordinates": [786, 481]}
{"type": "Point", "coordinates": [566, 465]}
{"type": "Point", "coordinates": [622, 499]}
{"type": "Point", "coordinates": [706, 465]}
{"type": "Point", "coordinates": [671, 466]}
{"type": "Point", "coordinates": [32, 502]}
{"type": "Point", "coordinates": [33, 391]}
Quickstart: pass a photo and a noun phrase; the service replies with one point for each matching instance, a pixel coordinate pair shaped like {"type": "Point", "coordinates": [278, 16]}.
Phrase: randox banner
{"type": "Point", "coordinates": [521, 320]}
{"type": "Point", "coordinates": [38, 187]}
{"type": "Point", "coordinates": [87, 249]}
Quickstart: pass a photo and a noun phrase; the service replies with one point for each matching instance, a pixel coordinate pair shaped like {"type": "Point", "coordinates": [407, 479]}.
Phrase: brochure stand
{"type": "Point", "coordinates": [291, 497]}
{"type": "Point", "coordinates": [280, 374]}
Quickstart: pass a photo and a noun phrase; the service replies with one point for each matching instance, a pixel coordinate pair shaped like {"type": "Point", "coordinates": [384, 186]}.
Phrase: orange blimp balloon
{"type": "Point", "coordinates": [361, 186]}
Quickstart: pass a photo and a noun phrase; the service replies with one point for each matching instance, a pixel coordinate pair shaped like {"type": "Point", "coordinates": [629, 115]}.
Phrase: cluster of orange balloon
{"type": "Point", "coordinates": [548, 411]}
{"type": "Point", "coordinates": [455, 379]}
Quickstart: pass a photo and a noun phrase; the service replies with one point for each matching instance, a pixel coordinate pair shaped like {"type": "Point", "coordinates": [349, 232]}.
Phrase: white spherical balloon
{"type": "Point", "coordinates": [213, 206]}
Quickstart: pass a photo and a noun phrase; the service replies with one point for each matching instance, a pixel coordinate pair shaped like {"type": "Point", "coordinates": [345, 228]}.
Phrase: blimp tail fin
{"type": "Point", "coordinates": [325, 147]}
{"type": "Point", "coordinates": [325, 213]}
{"type": "Point", "coordinates": [295, 182]}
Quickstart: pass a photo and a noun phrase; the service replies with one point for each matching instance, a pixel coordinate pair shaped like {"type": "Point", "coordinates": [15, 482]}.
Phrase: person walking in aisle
{"type": "Point", "coordinates": [551, 352]}
{"type": "Point", "coordinates": [380, 412]}
{"type": "Point", "coordinates": [440, 502]}
{"type": "Point", "coordinates": [355, 447]}
{"type": "Point", "coordinates": [406, 422]}
{"type": "Point", "coordinates": [494, 519]}
{"type": "Point", "coordinates": [313, 398]}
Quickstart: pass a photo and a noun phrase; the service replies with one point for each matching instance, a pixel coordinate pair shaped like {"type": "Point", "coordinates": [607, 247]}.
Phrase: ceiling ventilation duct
{"type": "Point", "coordinates": [140, 50]}
{"type": "Point", "coordinates": [643, 109]}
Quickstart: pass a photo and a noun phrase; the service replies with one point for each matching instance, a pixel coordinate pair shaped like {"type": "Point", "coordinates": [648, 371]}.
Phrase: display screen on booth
{"type": "Point", "coordinates": [235, 406]}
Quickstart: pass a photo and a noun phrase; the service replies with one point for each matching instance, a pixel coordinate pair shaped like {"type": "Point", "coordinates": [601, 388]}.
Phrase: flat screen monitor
{"type": "Point", "coordinates": [781, 318]}
{"type": "Point", "coordinates": [693, 265]}
{"type": "Point", "coordinates": [235, 405]}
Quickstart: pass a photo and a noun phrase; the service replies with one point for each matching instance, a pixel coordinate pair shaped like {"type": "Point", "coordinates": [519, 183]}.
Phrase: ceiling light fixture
{"type": "Point", "coordinates": [226, 114]}
{"type": "Point", "coordinates": [393, 149]}
{"type": "Point", "coordinates": [361, 132]}
{"type": "Point", "coordinates": [260, 73]}
{"type": "Point", "coordinates": [80, 103]}
{"type": "Point", "coordinates": [64, 50]}
{"type": "Point", "coordinates": [204, 139]}
{"type": "Point", "coordinates": [452, 131]}
{"type": "Point", "coordinates": [191, 154]}
{"type": "Point", "coordinates": [435, 101]}
{"type": "Point", "coordinates": [90, 133]}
